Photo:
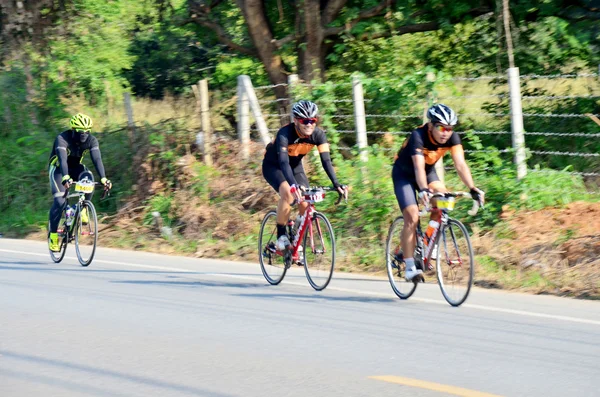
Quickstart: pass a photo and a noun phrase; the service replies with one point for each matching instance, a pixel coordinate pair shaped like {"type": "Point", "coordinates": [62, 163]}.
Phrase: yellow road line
{"type": "Point", "coordinates": [457, 391]}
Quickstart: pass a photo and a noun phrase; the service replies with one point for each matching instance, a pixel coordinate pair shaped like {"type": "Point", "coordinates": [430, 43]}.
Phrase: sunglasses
{"type": "Point", "coordinates": [307, 121]}
{"type": "Point", "coordinates": [442, 128]}
{"type": "Point", "coordinates": [86, 131]}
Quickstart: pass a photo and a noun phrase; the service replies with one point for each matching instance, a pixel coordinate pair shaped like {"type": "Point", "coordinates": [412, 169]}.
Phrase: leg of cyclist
{"type": "Point", "coordinates": [58, 191]}
{"type": "Point", "coordinates": [436, 186]}
{"type": "Point", "coordinates": [85, 173]}
{"type": "Point", "coordinates": [302, 180]}
{"type": "Point", "coordinates": [274, 176]}
{"type": "Point", "coordinates": [405, 190]}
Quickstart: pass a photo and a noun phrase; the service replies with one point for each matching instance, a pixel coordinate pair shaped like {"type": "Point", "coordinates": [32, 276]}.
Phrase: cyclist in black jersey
{"type": "Point", "coordinates": [282, 164]}
{"type": "Point", "coordinates": [414, 171]}
{"type": "Point", "coordinates": [65, 166]}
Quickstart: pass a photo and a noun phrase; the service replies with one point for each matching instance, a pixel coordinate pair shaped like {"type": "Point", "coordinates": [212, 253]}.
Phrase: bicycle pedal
{"type": "Point", "coordinates": [419, 278]}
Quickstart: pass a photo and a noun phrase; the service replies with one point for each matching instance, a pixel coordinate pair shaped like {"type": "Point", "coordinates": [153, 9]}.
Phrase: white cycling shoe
{"type": "Point", "coordinates": [411, 273]}
{"type": "Point", "coordinates": [283, 242]}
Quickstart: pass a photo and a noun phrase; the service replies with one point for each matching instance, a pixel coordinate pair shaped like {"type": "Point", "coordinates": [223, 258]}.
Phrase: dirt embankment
{"type": "Point", "coordinates": [561, 245]}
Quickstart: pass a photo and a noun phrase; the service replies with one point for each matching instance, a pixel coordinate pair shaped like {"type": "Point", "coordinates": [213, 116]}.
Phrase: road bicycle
{"type": "Point", "coordinates": [72, 227]}
{"type": "Point", "coordinates": [313, 244]}
{"type": "Point", "coordinates": [447, 251]}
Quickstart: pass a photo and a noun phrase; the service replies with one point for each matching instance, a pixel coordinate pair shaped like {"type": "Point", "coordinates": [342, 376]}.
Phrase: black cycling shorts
{"type": "Point", "coordinates": [274, 175]}
{"type": "Point", "coordinates": [405, 185]}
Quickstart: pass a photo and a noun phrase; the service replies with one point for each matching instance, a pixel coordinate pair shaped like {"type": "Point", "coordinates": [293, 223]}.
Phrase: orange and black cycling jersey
{"type": "Point", "coordinates": [288, 140]}
{"type": "Point", "coordinates": [288, 149]}
{"type": "Point", "coordinates": [420, 142]}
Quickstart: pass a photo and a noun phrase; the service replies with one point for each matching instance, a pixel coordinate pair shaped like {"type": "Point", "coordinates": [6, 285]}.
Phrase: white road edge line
{"type": "Point", "coordinates": [359, 292]}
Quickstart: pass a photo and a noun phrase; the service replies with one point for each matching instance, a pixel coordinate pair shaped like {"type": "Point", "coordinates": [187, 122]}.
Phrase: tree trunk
{"type": "Point", "coordinates": [313, 66]}
{"type": "Point", "coordinates": [258, 28]}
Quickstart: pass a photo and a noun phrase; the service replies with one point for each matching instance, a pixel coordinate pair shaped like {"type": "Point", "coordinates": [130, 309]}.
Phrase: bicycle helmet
{"type": "Point", "coordinates": [81, 122]}
{"type": "Point", "coordinates": [305, 110]}
{"type": "Point", "coordinates": [442, 114]}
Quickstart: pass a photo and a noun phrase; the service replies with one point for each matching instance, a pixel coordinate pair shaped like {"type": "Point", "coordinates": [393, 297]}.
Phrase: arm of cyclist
{"type": "Point", "coordinates": [61, 146]}
{"type": "Point", "coordinates": [329, 170]}
{"type": "Point", "coordinates": [281, 144]}
{"type": "Point", "coordinates": [421, 178]}
{"type": "Point", "coordinates": [96, 157]}
{"type": "Point", "coordinates": [464, 172]}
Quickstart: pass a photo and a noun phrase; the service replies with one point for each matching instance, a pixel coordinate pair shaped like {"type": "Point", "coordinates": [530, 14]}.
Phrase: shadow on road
{"type": "Point", "coordinates": [27, 263]}
{"type": "Point", "coordinates": [51, 267]}
{"type": "Point", "coordinates": [317, 297]}
{"type": "Point", "coordinates": [94, 371]}
{"type": "Point", "coordinates": [189, 283]}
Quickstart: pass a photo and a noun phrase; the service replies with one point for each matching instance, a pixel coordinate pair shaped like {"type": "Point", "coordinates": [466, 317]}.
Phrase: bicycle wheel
{"type": "Point", "coordinates": [395, 261]}
{"type": "Point", "coordinates": [319, 252]}
{"type": "Point", "coordinates": [272, 264]}
{"type": "Point", "coordinates": [63, 238]}
{"type": "Point", "coordinates": [455, 262]}
{"type": "Point", "coordinates": [86, 233]}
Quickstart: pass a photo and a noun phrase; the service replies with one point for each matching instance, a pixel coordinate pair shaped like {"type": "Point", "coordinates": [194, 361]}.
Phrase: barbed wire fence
{"type": "Point", "coordinates": [557, 111]}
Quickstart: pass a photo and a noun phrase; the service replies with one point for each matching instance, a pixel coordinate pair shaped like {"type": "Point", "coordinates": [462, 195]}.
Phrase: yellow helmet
{"type": "Point", "coordinates": [81, 122]}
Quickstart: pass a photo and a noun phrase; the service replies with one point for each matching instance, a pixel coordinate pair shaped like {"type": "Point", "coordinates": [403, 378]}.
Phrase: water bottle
{"type": "Point", "coordinates": [433, 225]}
{"type": "Point", "coordinates": [70, 214]}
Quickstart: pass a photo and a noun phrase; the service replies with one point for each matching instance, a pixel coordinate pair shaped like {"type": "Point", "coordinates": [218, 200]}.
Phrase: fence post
{"type": "Point", "coordinates": [359, 118]}
{"type": "Point", "coordinates": [516, 120]}
{"type": "Point", "coordinates": [243, 109]}
{"type": "Point", "coordinates": [431, 99]}
{"type": "Point", "coordinates": [254, 105]}
{"type": "Point", "coordinates": [205, 120]}
{"type": "Point", "coordinates": [198, 111]}
{"type": "Point", "coordinates": [130, 122]}
{"type": "Point", "coordinates": [292, 81]}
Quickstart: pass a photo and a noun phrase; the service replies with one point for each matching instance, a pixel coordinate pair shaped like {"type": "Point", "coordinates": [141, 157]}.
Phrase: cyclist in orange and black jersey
{"type": "Point", "coordinates": [414, 171]}
{"type": "Point", "coordinates": [282, 164]}
{"type": "Point", "coordinates": [65, 166]}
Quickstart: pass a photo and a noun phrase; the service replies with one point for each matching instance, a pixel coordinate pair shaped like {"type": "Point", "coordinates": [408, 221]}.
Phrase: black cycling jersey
{"type": "Point", "coordinates": [288, 140]}
{"type": "Point", "coordinates": [420, 142]}
{"type": "Point", "coordinates": [68, 152]}
{"type": "Point", "coordinates": [287, 151]}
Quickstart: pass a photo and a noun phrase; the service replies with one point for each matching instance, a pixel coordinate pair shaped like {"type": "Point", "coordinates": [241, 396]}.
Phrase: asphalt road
{"type": "Point", "coordinates": [140, 324]}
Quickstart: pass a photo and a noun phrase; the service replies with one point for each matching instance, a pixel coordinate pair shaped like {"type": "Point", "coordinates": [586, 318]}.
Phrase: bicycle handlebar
{"type": "Point", "coordinates": [67, 195]}
{"type": "Point", "coordinates": [312, 190]}
{"type": "Point", "coordinates": [473, 211]}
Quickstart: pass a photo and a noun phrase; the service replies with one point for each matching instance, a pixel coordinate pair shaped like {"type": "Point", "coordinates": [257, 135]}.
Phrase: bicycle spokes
{"type": "Point", "coordinates": [455, 263]}
{"type": "Point", "coordinates": [319, 252]}
{"type": "Point", "coordinates": [394, 258]}
{"type": "Point", "coordinates": [272, 263]}
{"type": "Point", "coordinates": [86, 233]}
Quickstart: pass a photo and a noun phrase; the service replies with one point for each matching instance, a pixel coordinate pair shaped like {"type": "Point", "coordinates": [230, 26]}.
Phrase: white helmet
{"type": "Point", "coordinates": [305, 110]}
{"type": "Point", "coordinates": [442, 114]}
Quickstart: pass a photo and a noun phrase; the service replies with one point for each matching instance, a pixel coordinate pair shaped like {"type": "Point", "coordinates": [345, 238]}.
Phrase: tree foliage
{"type": "Point", "coordinates": [309, 36]}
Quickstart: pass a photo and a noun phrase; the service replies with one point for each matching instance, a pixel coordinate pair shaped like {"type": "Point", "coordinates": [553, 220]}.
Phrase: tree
{"type": "Point", "coordinates": [306, 31]}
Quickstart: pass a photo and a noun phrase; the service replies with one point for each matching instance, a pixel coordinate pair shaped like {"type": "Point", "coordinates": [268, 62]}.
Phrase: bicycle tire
{"type": "Point", "coordinates": [63, 236]}
{"type": "Point", "coordinates": [317, 245]}
{"type": "Point", "coordinates": [394, 264]}
{"type": "Point", "coordinates": [272, 265]}
{"type": "Point", "coordinates": [450, 260]}
{"type": "Point", "coordinates": [80, 229]}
